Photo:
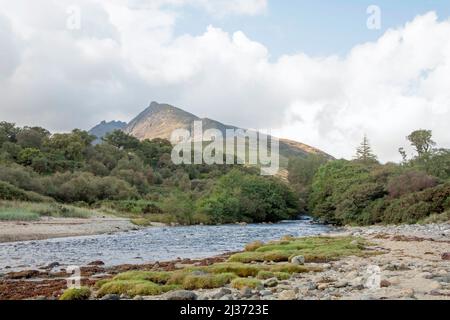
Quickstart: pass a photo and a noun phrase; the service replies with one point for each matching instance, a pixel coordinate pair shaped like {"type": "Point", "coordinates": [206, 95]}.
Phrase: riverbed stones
{"type": "Point", "coordinates": [111, 297]}
{"type": "Point", "coordinates": [246, 292]}
{"type": "Point", "coordinates": [270, 283]}
{"type": "Point", "coordinates": [446, 256]}
{"type": "Point", "coordinates": [287, 295]}
{"type": "Point", "coordinates": [222, 292]}
{"type": "Point", "coordinates": [265, 293]}
{"type": "Point", "coordinates": [181, 295]}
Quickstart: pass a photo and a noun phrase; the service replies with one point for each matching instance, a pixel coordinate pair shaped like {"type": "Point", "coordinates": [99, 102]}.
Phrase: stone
{"type": "Point", "coordinates": [322, 286]}
{"type": "Point", "coordinates": [246, 292]}
{"type": "Point", "coordinates": [446, 256]}
{"type": "Point", "coordinates": [96, 263]}
{"type": "Point", "coordinates": [298, 260]}
{"type": "Point", "coordinates": [27, 274]}
{"type": "Point", "coordinates": [265, 293]}
{"type": "Point", "coordinates": [287, 295]}
{"type": "Point", "coordinates": [111, 297]}
{"type": "Point", "coordinates": [138, 298]}
{"type": "Point", "coordinates": [311, 286]}
{"type": "Point", "coordinates": [227, 297]}
{"type": "Point", "coordinates": [181, 295]}
{"type": "Point", "coordinates": [222, 292]}
{"type": "Point", "coordinates": [52, 265]}
{"type": "Point", "coordinates": [341, 284]}
{"type": "Point", "coordinates": [270, 283]}
{"type": "Point", "coordinates": [385, 284]}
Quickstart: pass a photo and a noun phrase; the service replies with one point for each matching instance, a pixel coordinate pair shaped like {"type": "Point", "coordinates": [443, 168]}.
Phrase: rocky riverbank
{"type": "Point", "coordinates": [408, 262]}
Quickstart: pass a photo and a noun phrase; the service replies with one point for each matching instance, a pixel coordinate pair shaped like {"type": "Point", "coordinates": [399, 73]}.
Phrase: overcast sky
{"type": "Point", "coordinates": [310, 72]}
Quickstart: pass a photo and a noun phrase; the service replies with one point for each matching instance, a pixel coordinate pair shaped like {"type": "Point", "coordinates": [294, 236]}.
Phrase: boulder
{"type": "Point", "coordinates": [298, 260]}
{"type": "Point", "coordinates": [181, 295]}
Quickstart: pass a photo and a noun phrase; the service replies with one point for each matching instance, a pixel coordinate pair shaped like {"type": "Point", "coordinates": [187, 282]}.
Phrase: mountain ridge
{"type": "Point", "coordinates": [160, 120]}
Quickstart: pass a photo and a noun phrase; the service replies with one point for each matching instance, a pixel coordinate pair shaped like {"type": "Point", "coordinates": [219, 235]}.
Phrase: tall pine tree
{"type": "Point", "coordinates": [364, 152]}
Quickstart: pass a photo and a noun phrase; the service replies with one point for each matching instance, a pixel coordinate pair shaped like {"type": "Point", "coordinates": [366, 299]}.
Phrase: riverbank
{"type": "Point", "coordinates": [51, 227]}
{"type": "Point", "coordinates": [412, 262]}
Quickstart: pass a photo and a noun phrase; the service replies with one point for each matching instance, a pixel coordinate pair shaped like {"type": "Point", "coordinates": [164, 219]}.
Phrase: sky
{"type": "Point", "coordinates": [321, 72]}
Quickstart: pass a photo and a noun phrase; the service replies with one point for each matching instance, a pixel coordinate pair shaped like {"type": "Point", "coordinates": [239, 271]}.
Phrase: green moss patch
{"type": "Point", "coordinates": [82, 293]}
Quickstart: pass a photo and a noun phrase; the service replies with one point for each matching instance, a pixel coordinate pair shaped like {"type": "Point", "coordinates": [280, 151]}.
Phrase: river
{"type": "Point", "coordinates": [148, 245]}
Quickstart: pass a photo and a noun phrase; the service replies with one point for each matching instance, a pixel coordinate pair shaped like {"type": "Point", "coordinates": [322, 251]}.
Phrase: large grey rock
{"type": "Point", "coordinates": [182, 295]}
{"type": "Point", "coordinates": [112, 297]}
{"type": "Point", "coordinates": [222, 292]}
{"type": "Point", "coordinates": [298, 260]}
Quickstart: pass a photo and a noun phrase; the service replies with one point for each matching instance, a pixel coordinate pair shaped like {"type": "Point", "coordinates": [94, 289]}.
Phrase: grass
{"type": "Point", "coordinates": [158, 277]}
{"type": "Point", "coordinates": [264, 275]}
{"type": "Point", "coordinates": [134, 287]}
{"type": "Point", "coordinates": [241, 270]}
{"type": "Point", "coordinates": [18, 215]}
{"type": "Point", "coordinates": [207, 281]}
{"type": "Point", "coordinates": [82, 293]}
{"type": "Point", "coordinates": [314, 249]}
{"type": "Point", "coordinates": [253, 246]}
{"type": "Point", "coordinates": [240, 283]}
{"type": "Point", "coordinates": [30, 211]}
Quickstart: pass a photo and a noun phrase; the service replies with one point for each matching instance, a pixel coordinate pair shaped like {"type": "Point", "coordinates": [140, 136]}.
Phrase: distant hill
{"type": "Point", "coordinates": [103, 128]}
{"type": "Point", "coordinates": [160, 120]}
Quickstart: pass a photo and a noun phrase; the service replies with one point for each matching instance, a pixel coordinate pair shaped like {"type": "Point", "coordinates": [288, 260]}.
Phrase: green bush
{"type": "Point", "coordinates": [10, 192]}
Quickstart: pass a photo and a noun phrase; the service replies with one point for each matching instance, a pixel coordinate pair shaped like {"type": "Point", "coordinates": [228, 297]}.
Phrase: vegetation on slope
{"type": "Point", "coordinates": [133, 178]}
{"type": "Point", "coordinates": [363, 191]}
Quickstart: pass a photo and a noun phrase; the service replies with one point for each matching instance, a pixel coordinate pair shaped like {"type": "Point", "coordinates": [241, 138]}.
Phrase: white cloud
{"type": "Point", "coordinates": [126, 54]}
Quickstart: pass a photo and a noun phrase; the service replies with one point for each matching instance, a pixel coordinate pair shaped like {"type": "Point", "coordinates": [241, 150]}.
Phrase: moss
{"type": "Point", "coordinates": [275, 256]}
{"type": "Point", "coordinates": [82, 293]}
{"type": "Point", "coordinates": [153, 276]}
{"type": "Point", "coordinates": [264, 275]}
{"type": "Point", "coordinates": [291, 268]}
{"type": "Point", "coordinates": [240, 283]}
{"type": "Point", "coordinates": [252, 246]}
{"type": "Point", "coordinates": [314, 249]}
{"type": "Point", "coordinates": [239, 269]}
{"type": "Point", "coordinates": [207, 281]}
{"type": "Point", "coordinates": [134, 287]}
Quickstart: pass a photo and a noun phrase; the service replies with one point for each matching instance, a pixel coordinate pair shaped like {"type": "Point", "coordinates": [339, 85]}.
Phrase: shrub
{"type": "Point", "coordinates": [409, 182]}
{"type": "Point", "coordinates": [10, 192]}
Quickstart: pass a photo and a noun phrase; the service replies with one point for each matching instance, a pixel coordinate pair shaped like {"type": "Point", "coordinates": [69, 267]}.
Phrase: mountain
{"type": "Point", "coordinates": [103, 128]}
{"type": "Point", "coordinates": [160, 120]}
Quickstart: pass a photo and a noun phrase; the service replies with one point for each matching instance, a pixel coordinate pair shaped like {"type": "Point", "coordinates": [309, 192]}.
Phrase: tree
{"type": "Point", "coordinates": [121, 140]}
{"type": "Point", "coordinates": [8, 132]}
{"type": "Point", "coordinates": [32, 137]}
{"type": "Point", "coordinates": [364, 152]}
{"type": "Point", "coordinates": [421, 141]}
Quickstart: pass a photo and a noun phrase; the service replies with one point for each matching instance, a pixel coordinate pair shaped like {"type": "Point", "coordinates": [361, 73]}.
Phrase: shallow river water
{"type": "Point", "coordinates": [148, 245]}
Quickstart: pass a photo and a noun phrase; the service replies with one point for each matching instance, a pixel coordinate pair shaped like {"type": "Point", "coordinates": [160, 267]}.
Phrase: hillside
{"type": "Point", "coordinates": [160, 120]}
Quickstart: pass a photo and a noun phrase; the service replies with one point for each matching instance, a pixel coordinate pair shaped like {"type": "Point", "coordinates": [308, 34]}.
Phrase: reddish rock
{"type": "Point", "coordinates": [385, 284]}
{"type": "Point", "coordinates": [27, 274]}
{"type": "Point", "coordinates": [446, 256]}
